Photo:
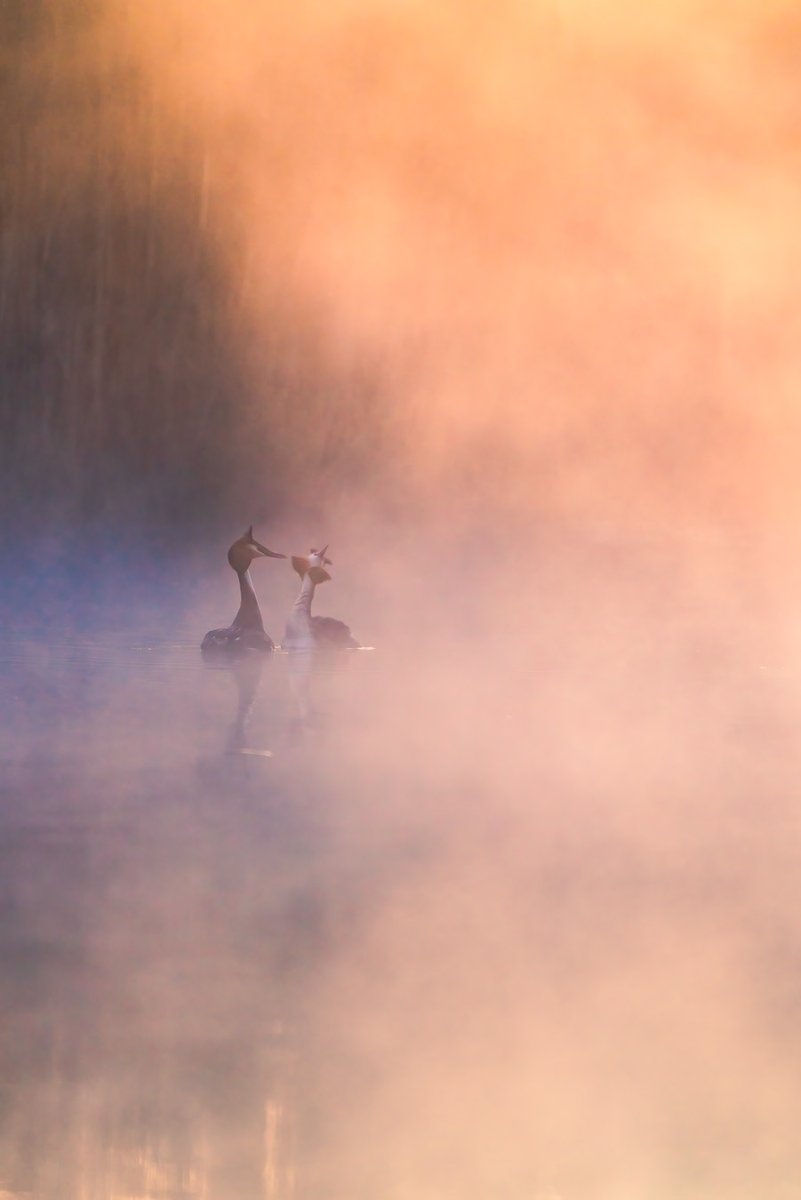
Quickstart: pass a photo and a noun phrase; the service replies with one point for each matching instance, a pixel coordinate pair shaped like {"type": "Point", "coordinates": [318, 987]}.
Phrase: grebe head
{"type": "Point", "coordinates": [246, 548]}
{"type": "Point", "coordinates": [313, 564]}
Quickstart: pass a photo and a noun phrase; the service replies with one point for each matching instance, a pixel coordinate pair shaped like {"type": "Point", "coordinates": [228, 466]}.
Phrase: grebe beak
{"type": "Point", "coordinates": [265, 553]}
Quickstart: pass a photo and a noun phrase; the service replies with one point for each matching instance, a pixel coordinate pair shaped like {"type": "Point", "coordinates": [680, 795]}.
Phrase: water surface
{"type": "Point", "coordinates": [466, 926]}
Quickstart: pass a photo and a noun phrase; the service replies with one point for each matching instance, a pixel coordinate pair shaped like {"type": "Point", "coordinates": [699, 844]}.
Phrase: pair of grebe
{"type": "Point", "coordinates": [303, 631]}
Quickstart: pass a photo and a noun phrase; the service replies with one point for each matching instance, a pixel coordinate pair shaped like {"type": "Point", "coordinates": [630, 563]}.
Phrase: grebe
{"type": "Point", "coordinates": [303, 631]}
{"type": "Point", "coordinates": [246, 632]}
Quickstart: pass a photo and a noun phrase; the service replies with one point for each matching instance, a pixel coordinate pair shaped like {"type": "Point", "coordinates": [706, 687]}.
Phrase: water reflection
{"type": "Point", "coordinates": [439, 959]}
{"type": "Point", "coordinates": [247, 678]}
{"type": "Point", "coordinates": [245, 674]}
{"type": "Point", "coordinates": [165, 903]}
{"type": "Point", "coordinates": [146, 924]}
{"type": "Point", "coordinates": [300, 664]}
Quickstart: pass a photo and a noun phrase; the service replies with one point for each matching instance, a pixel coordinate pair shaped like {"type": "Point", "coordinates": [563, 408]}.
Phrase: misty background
{"type": "Point", "coordinates": [504, 305]}
{"type": "Point", "coordinates": [541, 261]}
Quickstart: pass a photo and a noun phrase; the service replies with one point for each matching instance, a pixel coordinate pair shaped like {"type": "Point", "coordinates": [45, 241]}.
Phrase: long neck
{"type": "Point", "coordinates": [305, 596]}
{"type": "Point", "coordinates": [249, 615]}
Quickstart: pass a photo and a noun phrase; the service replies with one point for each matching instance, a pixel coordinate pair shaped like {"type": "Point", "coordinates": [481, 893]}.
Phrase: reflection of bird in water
{"type": "Point", "coordinates": [299, 673]}
{"type": "Point", "coordinates": [303, 631]}
{"type": "Point", "coordinates": [247, 676]}
{"type": "Point", "coordinates": [246, 632]}
{"type": "Point", "coordinates": [220, 775]}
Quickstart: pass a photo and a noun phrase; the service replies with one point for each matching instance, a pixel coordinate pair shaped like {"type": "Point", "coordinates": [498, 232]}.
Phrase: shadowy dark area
{"type": "Point", "coordinates": [123, 396]}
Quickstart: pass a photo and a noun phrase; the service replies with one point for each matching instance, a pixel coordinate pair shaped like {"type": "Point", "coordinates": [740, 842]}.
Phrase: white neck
{"type": "Point", "coordinates": [305, 596]}
{"type": "Point", "coordinates": [299, 626]}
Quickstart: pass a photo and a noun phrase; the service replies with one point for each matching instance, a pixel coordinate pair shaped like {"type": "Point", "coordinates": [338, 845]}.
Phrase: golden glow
{"type": "Point", "coordinates": [564, 240]}
{"type": "Point", "coordinates": [564, 227]}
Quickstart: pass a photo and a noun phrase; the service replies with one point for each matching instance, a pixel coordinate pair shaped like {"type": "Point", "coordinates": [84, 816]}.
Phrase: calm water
{"type": "Point", "coordinates": [354, 931]}
{"type": "Point", "coordinates": [170, 870]}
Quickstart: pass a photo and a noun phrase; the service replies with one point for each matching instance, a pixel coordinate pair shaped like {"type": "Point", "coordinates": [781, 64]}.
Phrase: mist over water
{"type": "Point", "coordinates": [486, 921]}
{"type": "Point", "coordinates": [504, 306]}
